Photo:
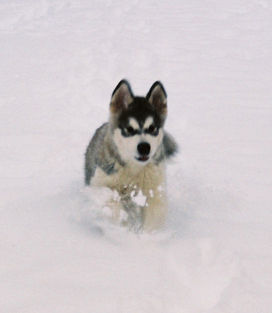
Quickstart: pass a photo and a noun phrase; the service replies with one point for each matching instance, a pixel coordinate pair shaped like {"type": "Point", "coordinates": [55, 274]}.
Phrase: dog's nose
{"type": "Point", "coordinates": [143, 148]}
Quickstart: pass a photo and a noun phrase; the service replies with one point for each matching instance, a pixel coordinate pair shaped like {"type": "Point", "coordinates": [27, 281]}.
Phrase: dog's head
{"type": "Point", "coordinates": [137, 122]}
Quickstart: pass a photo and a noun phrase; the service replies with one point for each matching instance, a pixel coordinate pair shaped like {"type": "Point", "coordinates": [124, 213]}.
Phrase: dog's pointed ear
{"type": "Point", "coordinates": [121, 97]}
{"type": "Point", "coordinates": [157, 97]}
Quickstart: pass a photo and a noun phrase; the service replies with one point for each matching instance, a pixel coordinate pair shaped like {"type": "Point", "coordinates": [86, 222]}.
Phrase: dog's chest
{"type": "Point", "coordinates": [132, 177]}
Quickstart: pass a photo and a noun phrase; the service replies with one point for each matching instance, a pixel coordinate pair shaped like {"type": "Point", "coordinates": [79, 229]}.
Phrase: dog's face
{"type": "Point", "coordinates": [137, 122]}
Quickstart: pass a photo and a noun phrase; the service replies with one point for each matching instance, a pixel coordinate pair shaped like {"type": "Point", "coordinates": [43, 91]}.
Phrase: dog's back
{"type": "Point", "coordinates": [93, 152]}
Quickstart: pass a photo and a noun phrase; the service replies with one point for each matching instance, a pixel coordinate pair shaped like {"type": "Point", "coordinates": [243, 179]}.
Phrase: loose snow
{"type": "Point", "coordinates": [60, 61]}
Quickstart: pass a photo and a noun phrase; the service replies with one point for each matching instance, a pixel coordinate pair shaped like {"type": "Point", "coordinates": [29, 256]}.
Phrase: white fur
{"type": "Point", "coordinates": [133, 123]}
{"type": "Point", "coordinates": [148, 122]}
{"type": "Point", "coordinates": [137, 180]}
{"type": "Point", "coordinates": [127, 146]}
{"type": "Point", "coordinates": [154, 141]}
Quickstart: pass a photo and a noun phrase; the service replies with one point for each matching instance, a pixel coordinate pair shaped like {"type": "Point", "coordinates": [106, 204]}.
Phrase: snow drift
{"type": "Point", "coordinates": [59, 64]}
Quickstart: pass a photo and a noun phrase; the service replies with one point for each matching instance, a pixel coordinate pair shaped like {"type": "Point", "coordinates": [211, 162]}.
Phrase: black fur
{"type": "Point", "coordinates": [157, 83]}
{"type": "Point", "coordinates": [139, 109]}
{"type": "Point", "coordinates": [101, 151]}
{"type": "Point", "coordinates": [123, 81]}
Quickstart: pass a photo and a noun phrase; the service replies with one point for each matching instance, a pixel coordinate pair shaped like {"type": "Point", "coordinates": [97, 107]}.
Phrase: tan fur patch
{"type": "Point", "coordinates": [149, 180]}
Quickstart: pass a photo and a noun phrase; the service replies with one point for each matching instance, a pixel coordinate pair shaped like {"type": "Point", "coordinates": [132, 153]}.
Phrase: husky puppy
{"type": "Point", "coordinates": [128, 153]}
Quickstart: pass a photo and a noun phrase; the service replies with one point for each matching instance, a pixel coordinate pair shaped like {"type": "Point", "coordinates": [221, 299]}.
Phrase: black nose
{"type": "Point", "coordinates": [143, 148]}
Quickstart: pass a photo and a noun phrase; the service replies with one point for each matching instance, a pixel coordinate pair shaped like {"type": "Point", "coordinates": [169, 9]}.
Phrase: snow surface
{"type": "Point", "coordinates": [60, 61]}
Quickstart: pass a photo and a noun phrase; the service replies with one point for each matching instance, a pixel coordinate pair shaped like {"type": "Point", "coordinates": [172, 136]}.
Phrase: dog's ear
{"type": "Point", "coordinates": [157, 97]}
{"type": "Point", "coordinates": [121, 97]}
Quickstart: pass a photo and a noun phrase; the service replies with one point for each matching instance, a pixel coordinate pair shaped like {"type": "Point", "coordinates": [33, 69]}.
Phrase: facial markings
{"type": "Point", "coordinates": [127, 144]}
{"type": "Point", "coordinates": [131, 129]}
{"type": "Point", "coordinates": [149, 120]}
{"type": "Point", "coordinates": [150, 128]}
{"type": "Point", "coordinates": [133, 123]}
{"type": "Point", "coordinates": [153, 140]}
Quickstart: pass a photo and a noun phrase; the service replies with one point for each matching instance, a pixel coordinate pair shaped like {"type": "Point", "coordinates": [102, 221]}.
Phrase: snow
{"type": "Point", "coordinates": [139, 198]}
{"type": "Point", "coordinates": [60, 61]}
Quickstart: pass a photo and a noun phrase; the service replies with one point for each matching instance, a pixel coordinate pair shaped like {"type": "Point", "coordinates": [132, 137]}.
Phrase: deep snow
{"type": "Point", "coordinates": [60, 61]}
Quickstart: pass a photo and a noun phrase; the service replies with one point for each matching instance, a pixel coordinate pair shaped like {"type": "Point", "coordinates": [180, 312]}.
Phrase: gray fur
{"type": "Point", "coordinates": [119, 141]}
{"type": "Point", "coordinates": [168, 148]}
{"type": "Point", "coordinates": [101, 152]}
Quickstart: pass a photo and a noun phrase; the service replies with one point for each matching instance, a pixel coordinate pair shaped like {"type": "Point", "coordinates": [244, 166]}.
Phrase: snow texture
{"type": "Point", "coordinates": [60, 61]}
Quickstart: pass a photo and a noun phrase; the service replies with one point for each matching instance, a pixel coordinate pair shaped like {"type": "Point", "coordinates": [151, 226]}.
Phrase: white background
{"type": "Point", "coordinates": [59, 62]}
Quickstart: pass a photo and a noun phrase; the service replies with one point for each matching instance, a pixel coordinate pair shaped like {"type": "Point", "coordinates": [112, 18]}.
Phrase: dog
{"type": "Point", "coordinates": [128, 153]}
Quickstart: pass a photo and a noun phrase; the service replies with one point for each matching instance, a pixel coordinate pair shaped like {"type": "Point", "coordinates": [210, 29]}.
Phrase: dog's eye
{"type": "Point", "coordinates": [130, 130]}
{"type": "Point", "coordinates": [151, 129]}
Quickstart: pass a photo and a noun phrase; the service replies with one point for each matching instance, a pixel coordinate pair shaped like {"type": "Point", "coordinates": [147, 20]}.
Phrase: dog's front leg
{"type": "Point", "coordinates": [155, 211]}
